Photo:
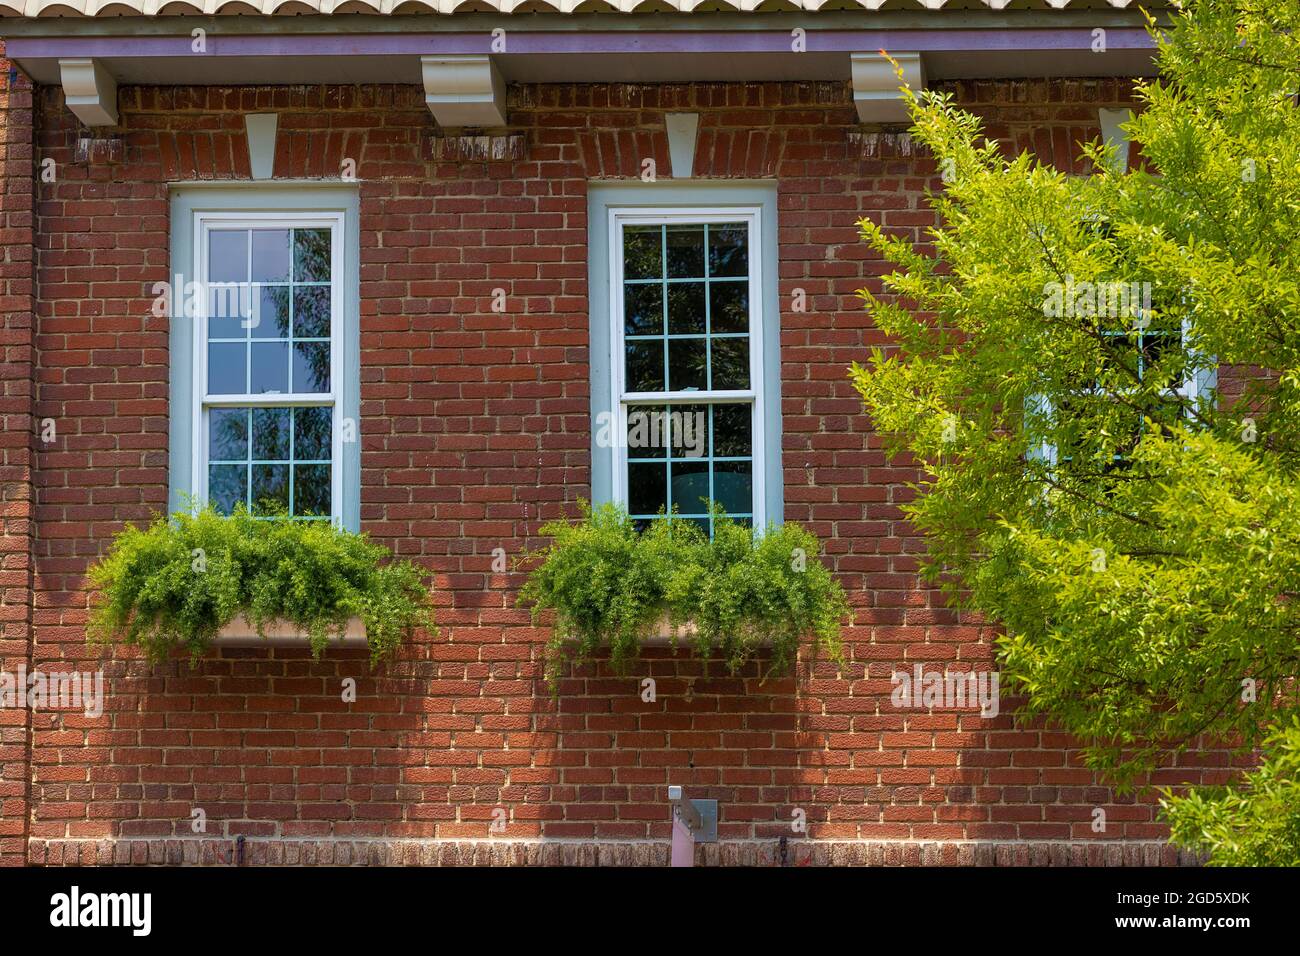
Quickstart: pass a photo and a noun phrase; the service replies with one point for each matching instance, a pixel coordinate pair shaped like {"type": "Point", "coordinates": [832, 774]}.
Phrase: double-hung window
{"type": "Point", "coordinates": [271, 352]}
{"type": "Point", "coordinates": [266, 410]}
{"type": "Point", "coordinates": [687, 418]}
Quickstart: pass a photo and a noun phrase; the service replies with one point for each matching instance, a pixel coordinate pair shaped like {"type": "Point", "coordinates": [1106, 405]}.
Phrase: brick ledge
{"type": "Point", "coordinates": [395, 852]}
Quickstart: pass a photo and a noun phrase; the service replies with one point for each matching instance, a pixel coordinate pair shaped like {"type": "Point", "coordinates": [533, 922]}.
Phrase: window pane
{"type": "Point", "coordinates": [686, 364]}
{"type": "Point", "coordinates": [311, 367]}
{"type": "Point", "coordinates": [728, 307]}
{"type": "Point", "coordinates": [645, 366]}
{"type": "Point", "coordinates": [270, 489]}
{"type": "Point", "coordinates": [685, 251]}
{"type": "Point", "coordinates": [228, 255]}
{"type": "Point", "coordinates": [643, 308]}
{"type": "Point", "coordinates": [270, 368]}
{"type": "Point", "coordinates": [690, 486]}
{"type": "Point", "coordinates": [311, 312]}
{"type": "Point", "coordinates": [271, 434]}
{"type": "Point", "coordinates": [230, 307]}
{"type": "Point", "coordinates": [312, 433]}
{"type": "Point", "coordinates": [686, 308]}
{"type": "Point", "coordinates": [311, 255]}
{"type": "Point", "coordinates": [225, 316]}
{"type": "Point", "coordinates": [733, 486]}
{"type": "Point", "coordinates": [647, 488]}
{"type": "Point", "coordinates": [730, 362]}
{"type": "Point", "coordinates": [271, 255]}
{"type": "Point", "coordinates": [688, 426]}
{"type": "Point", "coordinates": [728, 252]}
{"type": "Point", "coordinates": [271, 320]}
{"type": "Point", "coordinates": [732, 437]}
{"type": "Point", "coordinates": [647, 432]}
{"type": "Point", "coordinates": [227, 485]}
{"type": "Point", "coordinates": [228, 434]}
{"type": "Point", "coordinates": [642, 252]}
{"type": "Point", "coordinates": [226, 372]}
{"type": "Point", "coordinates": [311, 489]}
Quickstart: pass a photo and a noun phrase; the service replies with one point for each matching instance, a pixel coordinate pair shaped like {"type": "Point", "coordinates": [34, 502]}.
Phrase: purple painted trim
{"type": "Point", "coordinates": [433, 44]}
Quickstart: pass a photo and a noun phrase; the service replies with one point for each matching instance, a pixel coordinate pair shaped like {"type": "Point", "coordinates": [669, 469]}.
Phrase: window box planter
{"type": "Point", "coordinates": [241, 633]}
{"type": "Point", "coordinates": [613, 587]}
{"type": "Point", "coordinates": [664, 634]}
{"type": "Point", "coordinates": [201, 580]}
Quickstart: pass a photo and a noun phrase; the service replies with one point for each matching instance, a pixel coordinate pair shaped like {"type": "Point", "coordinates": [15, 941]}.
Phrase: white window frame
{"type": "Point", "coordinates": [755, 395]}
{"type": "Point", "coordinates": [204, 223]}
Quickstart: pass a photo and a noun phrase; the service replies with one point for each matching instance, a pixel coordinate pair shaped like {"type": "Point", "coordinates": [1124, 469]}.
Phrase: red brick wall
{"type": "Point", "coordinates": [17, 434]}
{"type": "Point", "coordinates": [474, 430]}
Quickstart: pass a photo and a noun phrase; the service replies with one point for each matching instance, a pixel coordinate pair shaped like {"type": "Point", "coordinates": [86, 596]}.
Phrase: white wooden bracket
{"type": "Point", "coordinates": [682, 129]}
{"type": "Point", "coordinates": [261, 129]}
{"type": "Point", "coordinates": [464, 90]}
{"type": "Point", "coordinates": [90, 91]}
{"type": "Point", "coordinates": [876, 85]}
{"type": "Point", "coordinates": [1110, 121]}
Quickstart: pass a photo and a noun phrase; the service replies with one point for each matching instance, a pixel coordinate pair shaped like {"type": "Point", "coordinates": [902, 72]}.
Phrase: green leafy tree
{"type": "Point", "coordinates": [1100, 375]}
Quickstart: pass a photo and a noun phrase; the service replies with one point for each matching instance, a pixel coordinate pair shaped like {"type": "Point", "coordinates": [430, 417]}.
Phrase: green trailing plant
{"type": "Point", "coordinates": [178, 582]}
{"type": "Point", "coordinates": [613, 586]}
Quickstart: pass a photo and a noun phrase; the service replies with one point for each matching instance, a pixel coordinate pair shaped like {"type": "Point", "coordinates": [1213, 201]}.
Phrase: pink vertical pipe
{"type": "Point", "coordinates": [683, 843]}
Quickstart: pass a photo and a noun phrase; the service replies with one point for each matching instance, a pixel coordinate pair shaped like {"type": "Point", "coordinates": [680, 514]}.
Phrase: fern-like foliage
{"type": "Point", "coordinates": [178, 582]}
{"type": "Point", "coordinates": [613, 586]}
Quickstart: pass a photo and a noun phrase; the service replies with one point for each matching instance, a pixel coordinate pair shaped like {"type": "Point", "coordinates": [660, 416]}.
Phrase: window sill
{"type": "Point", "coordinates": [240, 633]}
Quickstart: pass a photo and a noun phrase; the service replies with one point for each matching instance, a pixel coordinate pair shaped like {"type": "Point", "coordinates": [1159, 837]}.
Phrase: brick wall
{"type": "Point", "coordinates": [474, 430]}
{"type": "Point", "coordinates": [17, 434]}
